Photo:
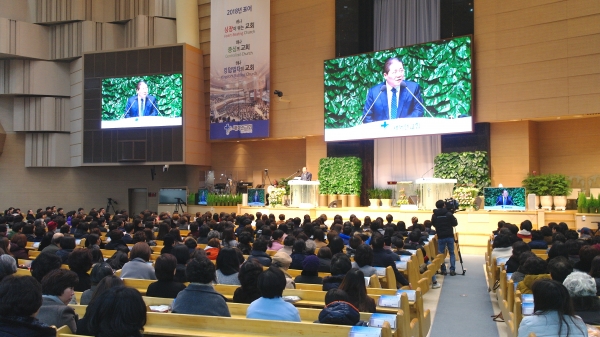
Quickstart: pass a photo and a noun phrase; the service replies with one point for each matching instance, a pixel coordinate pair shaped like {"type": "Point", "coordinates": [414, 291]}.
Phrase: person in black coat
{"type": "Point", "coordinates": [537, 240]}
{"type": "Point", "coordinates": [116, 240]}
{"type": "Point", "coordinates": [80, 262]}
{"type": "Point", "coordinates": [20, 299]}
{"type": "Point", "coordinates": [444, 222]}
{"type": "Point", "coordinates": [518, 248]}
{"type": "Point", "coordinates": [382, 259]}
{"type": "Point", "coordinates": [248, 275]}
{"type": "Point", "coordinates": [165, 287]}
{"type": "Point", "coordinates": [310, 274]}
{"type": "Point", "coordinates": [338, 309]}
{"type": "Point", "coordinates": [298, 254]}
{"type": "Point", "coordinates": [259, 253]}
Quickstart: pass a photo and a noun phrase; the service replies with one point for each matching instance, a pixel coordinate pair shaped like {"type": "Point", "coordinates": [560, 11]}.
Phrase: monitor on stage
{"type": "Point", "coordinates": [171, 196]}
{"type": "Point", "coordinates": [414, 90]}
{"type": "Point", "coordinates": [256, 197]}
{"type": "Point", "coordinates": [504, 198]}
{"type": "Point", "coordinates": [202, 197]}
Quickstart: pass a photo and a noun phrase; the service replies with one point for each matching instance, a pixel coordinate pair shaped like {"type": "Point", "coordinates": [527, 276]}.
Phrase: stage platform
{"type": "Point", "coordinates": [474, 227]}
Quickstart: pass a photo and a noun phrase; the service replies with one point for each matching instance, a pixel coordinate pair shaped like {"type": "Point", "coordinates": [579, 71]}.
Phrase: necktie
{"type": "Point", "coordinates": [139, 107]}
{"type": "Point", "coordinates": [143, 107]}
{"type": "Point", "coordinates": [394, 107]}
{"type": "Point", "coordinates": [504, 202]}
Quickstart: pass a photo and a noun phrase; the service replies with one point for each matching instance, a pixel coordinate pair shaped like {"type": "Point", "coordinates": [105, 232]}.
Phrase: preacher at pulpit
{"type": "Point", "coordinates": [141, 104]}
{"type": "Point", "coordinates": [504, 199]}
{"type": "Point", "coordinates": [306, 176]}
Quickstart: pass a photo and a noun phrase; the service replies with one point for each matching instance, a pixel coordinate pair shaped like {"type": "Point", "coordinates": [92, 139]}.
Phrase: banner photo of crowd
{"type": "Point", "coordinates": [240, 69]}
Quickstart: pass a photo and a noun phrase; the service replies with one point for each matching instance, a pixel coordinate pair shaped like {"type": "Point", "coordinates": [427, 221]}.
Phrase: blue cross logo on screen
{"type": "Point", "coordinates": [384, 125]}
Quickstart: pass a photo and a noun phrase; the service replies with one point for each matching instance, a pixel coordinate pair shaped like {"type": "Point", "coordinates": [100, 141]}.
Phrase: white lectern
{"type": "Point", "coordinates": [432, 190]}
{"type": "Point", "coordinates": [304, 194]}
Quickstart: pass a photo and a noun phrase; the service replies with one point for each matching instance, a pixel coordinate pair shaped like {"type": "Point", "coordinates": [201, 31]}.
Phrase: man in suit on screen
{"type": "Point", "coordinates": [392, 98]}
{"type": "Point", "coordinates": [504, 199]}
{"type": "Point", "coordinates": [141, 104]}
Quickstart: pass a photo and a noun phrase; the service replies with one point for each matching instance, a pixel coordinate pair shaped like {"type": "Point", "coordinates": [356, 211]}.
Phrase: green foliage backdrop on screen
{"type": "Point", "coordinates": [442, 69]}
{"type": "Point", "coordinates": [167, 89]}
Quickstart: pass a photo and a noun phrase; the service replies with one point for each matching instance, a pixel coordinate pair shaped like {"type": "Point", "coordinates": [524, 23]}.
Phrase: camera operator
{"type": "Point", "coordinates": [443, 220]}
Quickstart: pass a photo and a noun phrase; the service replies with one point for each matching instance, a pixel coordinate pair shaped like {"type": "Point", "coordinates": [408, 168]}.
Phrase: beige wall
{"type": "Point", "coordinates": [536, 59]}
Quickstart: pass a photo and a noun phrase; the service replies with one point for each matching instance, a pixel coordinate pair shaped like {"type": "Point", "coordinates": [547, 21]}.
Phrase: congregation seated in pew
{"type": "Point", "coordinates": [270, 305]}
{"type": "Point", "coordinates": [166, 286]}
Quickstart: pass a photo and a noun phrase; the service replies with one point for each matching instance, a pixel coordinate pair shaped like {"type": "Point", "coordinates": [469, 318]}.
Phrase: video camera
{"type": "Point", "coordinates": [451, 205]}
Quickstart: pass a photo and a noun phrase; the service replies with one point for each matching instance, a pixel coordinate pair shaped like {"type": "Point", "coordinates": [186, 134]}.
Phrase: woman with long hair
{"type": "Point", "coordinates": [228, 266]}
{"type": "Point", "coordinates": [553, 312]}
{"type": "Point", "coordinates": [354, 284]}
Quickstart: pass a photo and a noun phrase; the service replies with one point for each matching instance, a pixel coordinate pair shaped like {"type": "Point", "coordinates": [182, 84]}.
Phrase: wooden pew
{"type": "Point", "coordinates": [181, 325]}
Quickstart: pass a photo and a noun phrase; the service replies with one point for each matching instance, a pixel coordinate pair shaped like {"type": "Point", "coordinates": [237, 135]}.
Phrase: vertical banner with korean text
{"type": "Point", "coordinates": [239, 68]}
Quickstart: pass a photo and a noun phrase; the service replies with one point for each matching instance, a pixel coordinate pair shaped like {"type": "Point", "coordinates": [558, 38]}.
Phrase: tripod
{"type": "Point", "coordinates": [109, 204]}
{"type": "Point", "coordinates": [458, 251]}
{"type": "Point", "coordinates": [179, 205]}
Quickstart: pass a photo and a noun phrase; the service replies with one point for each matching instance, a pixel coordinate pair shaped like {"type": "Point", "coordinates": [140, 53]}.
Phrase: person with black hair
{"type": "Point", "coordinates": [116, 240]}
{"type": "Point", "coordinates": [501, 247]}
{"type": "Point", "coordinates": [20, 300]}
{"type": "Point", "coordinates": [340, 265]}
{"type": "Point", "coordinates": [586, 255]}
{"type": "Point", "coordinates": [518, 248]}
{"type": "Point", "coordinates": [537, 240]}
{"type": "Point", "coordinates": [444, 222]}
{"type": "Point", "coordinates": [525, 230]}
{"type": "Point", "coordinates": [298, 254]}
{"type": "Point", "coordinates": [43, 264]}
{"type": "Point", "coordinates": [244, 242]}
{"type": "Point", "coordinates": [553, 313]}
{"type": "Point", "coordinates": [80, 262]}
{"type": "Point", "coordinates": [559, 268]}
{"type": "Point", "coordinates": [228, 267]}
{"type": "Point", "coordinates": [382, 259]}
{"type": "Point", "coordinates": [573, 247]}
{"type": "Point", "coordinates": [271, 306]}
{"type": "Point", "coordinates": [534, 269]}
{"type": "Point", "coordinates": [166, 286]}
{"type": "Point", "coordinates": [138, 266]}
{"type": "Point", "coordinates": [200, 298]}
{"type": "Point", "coordinates": [99, 271]}
{"type": "Point", "coordinates": [338, 309]}
{"type": "Point", "coordinates": [324, 255]}
{"type": "Point", "coordinates": [119, 312]}
{"type": "Point", "coordinates": [259, 252]}
{"type": "Point", "coordinates": [182, 255]}
{"type": "Point", "coordinates": [363, 260]}
{"type": "Point", "coordinates": [557, 249]}
{"type": "Point", "coordinates": [547, 234]}
{"type": "Point", "coordinates": [336, 244]}
{"type": "Point", "coordinates": [57, 291]}
{"type": "Point", "coordinates": [354, 285]}
{"type": "Point", "coordinates": [248, 275]}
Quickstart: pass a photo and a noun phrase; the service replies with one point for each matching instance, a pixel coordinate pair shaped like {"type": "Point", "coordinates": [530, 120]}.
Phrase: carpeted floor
{"type": "Point", "coordinates": [464, 307]}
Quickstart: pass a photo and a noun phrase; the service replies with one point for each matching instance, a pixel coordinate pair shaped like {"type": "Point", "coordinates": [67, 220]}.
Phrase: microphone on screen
{"type": "Point", "coordinates": [403, 85]}
{"type": "Point", "coordinates": [368, 110]}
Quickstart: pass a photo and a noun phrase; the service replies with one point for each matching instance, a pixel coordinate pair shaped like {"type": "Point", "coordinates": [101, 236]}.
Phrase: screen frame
{"type": "Point", "coordinates": [184, 189]}
{"type": "Point", "coordinates": [511, 192]}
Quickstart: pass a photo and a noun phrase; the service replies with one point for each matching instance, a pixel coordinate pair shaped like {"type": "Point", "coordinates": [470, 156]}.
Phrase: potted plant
{"type": "Point", "coordinates": [465, 196]}
{"type": "Point", "coordinates": [559, 189]}
{"type": "Point", "coordinates": [592, 204]}
{"type": "Point", "coordinates": [276, 196]}
{"type": "Point", "coordinates": [531, 184]}
{"type": "Point", "coordinates": [544, 184]}
{"type": "Point", "coordinates": [582, 203]}
{"type": "Point", "coordinates": [386, 197]}
{"type": "Point", "coordinates": [373, 195]}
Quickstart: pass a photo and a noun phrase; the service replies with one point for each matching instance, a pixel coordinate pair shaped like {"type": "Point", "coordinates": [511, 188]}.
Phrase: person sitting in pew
{"type": "Point", "coordinates": [119, 312]}
{"type": "Point", "coordinates": [559, 268]}
{"type": "Point", "coordinates": [259, 252]}
{"type": "Point", "coordinates": [518, 248]}
{"type": "Point", "coordinates": [57, 292]}
{"type": "Point", "coordinates": [270, 305]}
{"type": "Point", "coordinates": [310, 271]}
{"type": "Point", "coordinates": [340, 265]}
{"type": "Point", "coordinates": [138, 266]}
{"type": "Point", "coordinates": [99, 271]}
{"type": "Point", "coordinates": [534, 269]}
{"type": "Point", "coordinates": [282, 261]}
{"type": "Point", "coordinates": [20, 300]}
{"type": "Point", "coordinates": [582, 289]}
{"type": "Point", "coordinates": [382, 259]}
{"type": "Point", "coordinates": [537, 240]}
{"type": "Point", "coordinates": [338, 309]}
{"type": "Point", "coordinates": [248, 291]}
{"type": "Point", "coordinates": [8, 266]}
{"type": "Point", "coordinates": [108, 282]}
{"type": "Point", "coordinates": [165, 287]}
{"type": "Point", "coordinates": [553, 313]}
{"type": "Point", "coordinates": [363, 260]}
{"type": "Point", "coordinates": [200, 298]}
{"type": "Point", "coordinates": [325, 256]}
{"type": "Point", "coordinates": [354, 285]}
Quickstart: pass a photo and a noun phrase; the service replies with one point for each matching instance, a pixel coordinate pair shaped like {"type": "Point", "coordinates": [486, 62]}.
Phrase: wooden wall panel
{"type": "Point", "coordinates": [536, 59]}
{"type": "Point", "coordinates": [509, 149]}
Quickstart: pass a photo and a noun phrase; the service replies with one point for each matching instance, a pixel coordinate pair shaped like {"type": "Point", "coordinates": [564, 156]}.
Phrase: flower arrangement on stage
{"type": "Point", "coordinates": [276, 196]}
{"type": "Point", "coordinates": [465, 196]}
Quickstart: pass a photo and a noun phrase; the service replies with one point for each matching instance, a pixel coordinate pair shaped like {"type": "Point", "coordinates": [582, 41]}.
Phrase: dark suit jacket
{"type": "Point", "coordinates": [509, 201]}
{"type": "Point", "coordinates": [306, 176]}
{"type": "Point", "coordinates": [131, 108]}
{"type": "Point", "coordinates": [407, 105]}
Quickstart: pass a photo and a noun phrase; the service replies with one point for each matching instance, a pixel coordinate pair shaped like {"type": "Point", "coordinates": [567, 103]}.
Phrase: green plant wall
{"type": "Point", "coordinates": [166, 88]}
{"type": "Point", "coordinates": [442, 69]}
{"type": "Point", "coordinates": [468, 168]}
{"type": "Point", "coordinates": [341, 175]}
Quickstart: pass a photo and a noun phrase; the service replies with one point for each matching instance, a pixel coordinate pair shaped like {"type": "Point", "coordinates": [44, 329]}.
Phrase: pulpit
{"type": "Point", "coordinates": [304, 194]}
{"type": "Point", "coordinates": [431, 190]}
